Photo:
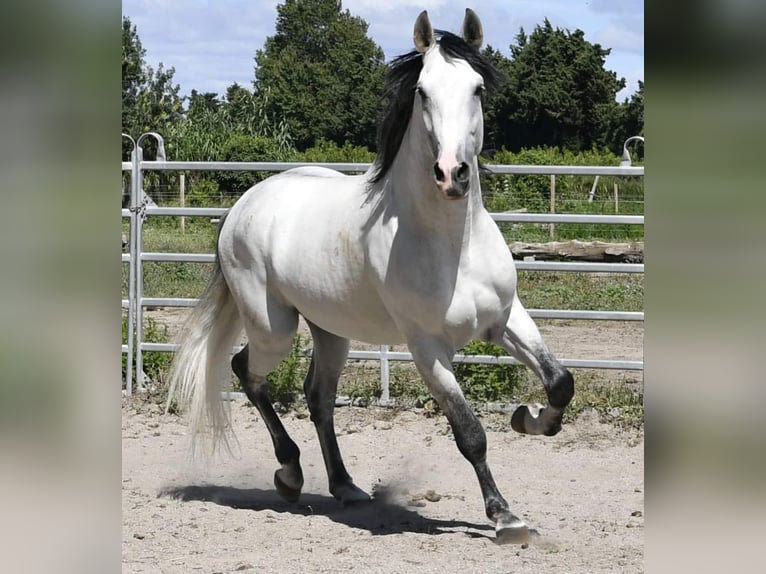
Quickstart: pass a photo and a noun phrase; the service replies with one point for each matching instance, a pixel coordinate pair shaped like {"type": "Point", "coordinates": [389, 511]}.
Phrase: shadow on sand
{"type": "Point", "coordinates": [380, 516]}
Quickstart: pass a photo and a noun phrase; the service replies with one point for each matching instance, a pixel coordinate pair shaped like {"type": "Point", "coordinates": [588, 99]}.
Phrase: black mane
{"type": "Point", "coordinates": [399, 93]}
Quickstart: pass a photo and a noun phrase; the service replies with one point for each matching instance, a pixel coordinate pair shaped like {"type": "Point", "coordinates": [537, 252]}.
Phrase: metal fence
{"type": "Point", "coordinates": [140, 208]}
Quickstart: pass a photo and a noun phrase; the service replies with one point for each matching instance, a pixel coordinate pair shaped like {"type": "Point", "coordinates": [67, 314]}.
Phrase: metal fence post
{"type": "Point", "coordinates": [384, 374]}
{"type": "Point", "coordinates": [131, 268]}
{"type": "Point", "coordinates": [139, 289]}
{"type": "Point", "coordinates": [140, 217]}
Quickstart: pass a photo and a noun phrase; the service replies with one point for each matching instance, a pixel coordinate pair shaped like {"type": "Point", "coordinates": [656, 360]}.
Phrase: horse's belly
{"type": "Point", "coordinates": [361, 318]}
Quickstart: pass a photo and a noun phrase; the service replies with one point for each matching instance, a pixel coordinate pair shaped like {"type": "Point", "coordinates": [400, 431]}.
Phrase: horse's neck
{"type": "Point", "coordinates": [417, 201]}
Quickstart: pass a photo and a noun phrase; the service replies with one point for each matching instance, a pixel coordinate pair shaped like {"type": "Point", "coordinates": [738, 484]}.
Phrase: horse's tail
{"type": "Point", "coordinates": [201, 362]}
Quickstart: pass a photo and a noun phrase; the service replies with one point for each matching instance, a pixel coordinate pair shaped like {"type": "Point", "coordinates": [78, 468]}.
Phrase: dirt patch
{"type": "Point", "coordinates": [581, 490]}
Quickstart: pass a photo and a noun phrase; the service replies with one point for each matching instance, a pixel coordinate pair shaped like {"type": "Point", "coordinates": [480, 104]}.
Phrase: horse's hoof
{"type": "Point", "coordinates": [517, 419]}
{"type": "Point", "coordinates": [514, 534]}
{"type": "Point", "coordinates": [350, 494]}
{"type": "Point", "coordinates": [526, 420]}
{"type": "Point", "coordinates": [554, 429]}
{"type": "Point", "coordinates": [289, 493]}
{"type": "Point", "coordinates": [536, 420]}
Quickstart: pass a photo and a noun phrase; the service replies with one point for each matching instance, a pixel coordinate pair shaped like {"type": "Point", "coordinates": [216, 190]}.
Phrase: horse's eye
{"type": "Point", "coordinates": [421, 93]}
{"type": "Point", "coordinates": [479, 90]}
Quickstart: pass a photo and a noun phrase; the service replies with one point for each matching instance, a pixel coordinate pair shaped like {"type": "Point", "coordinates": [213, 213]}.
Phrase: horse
{"type": "Point", "coordinates": [404, 253]}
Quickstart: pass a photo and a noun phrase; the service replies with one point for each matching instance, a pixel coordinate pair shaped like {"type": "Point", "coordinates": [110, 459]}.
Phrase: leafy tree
{"type": "Point", "coordinates": [133, 72]}
{"type": "Point", "coordinates": [201, 103]}
{"type": "Point", "coordinates": [558, 93]}
{"type": "Point", "coordinates": [630, 121]}
{"type": "Point", "coordinates": [209, 124]}
{"type": "Point", "coordinates": [150, 100]}
{"type": "Point", "coordinates": [495, 108]}
{"type": "Point", "coordinates": [321, 73]}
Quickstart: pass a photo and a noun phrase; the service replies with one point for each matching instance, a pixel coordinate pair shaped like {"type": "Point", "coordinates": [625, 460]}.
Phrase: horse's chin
{"type": "Point", "coordinates": [453, 194]}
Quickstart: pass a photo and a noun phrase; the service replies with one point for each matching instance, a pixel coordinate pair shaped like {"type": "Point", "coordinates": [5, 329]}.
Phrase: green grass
{"type": "Point", "coordinates": [156, 364]}
{"type": "Point", "coordinates": [620, 402]}
{"type": "Point", "coordinates": [586, 291]}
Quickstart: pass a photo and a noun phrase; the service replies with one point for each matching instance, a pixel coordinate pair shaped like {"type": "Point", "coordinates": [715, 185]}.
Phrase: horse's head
{"type": "Point", "coordinates": [438, 87]}
{"type": "Point", "coordinates": [449, 92]}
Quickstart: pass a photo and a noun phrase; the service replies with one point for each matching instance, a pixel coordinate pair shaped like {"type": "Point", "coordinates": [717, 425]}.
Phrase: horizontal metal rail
{"type": "Point", "coordinates": [567, 218]}
{"type": "Point", "coordinates": [577, 315]}
{"type": "Point", "coordinates": [168, 302]}
{"type": "Point", "coordinates": [604, 170]}
{"type": "Point", "coordinates": [188, 211]}
{"type": "Point", "coordinates": [189, 257]}
{"type": "Point", "coordinates": [559, 314]}
{"type": "Point", "coordinates": [584, 267]}
{"type": "Point", "coordinates": [580, 267]}
{"type": "Point", "coordinates": [363, 167]}
{"type": "Point", "coordinates": [403, 356]}
{"type": "Point", "coordinates": [248, 166]}
{"type": "Point", "coordinates": [499, 217]}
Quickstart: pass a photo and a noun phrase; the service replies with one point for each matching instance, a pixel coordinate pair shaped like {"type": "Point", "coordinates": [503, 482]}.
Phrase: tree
{"type": "Point", "coordinates": [496, 104]}
{"type": "Point", "coordinates": [558, 93]}
{"type": "Point", "coordinates": [630, 121]}
{"type": "Point", "coordinates": [321, 73]}
{"type": "Point", "coordinates": [150, 100]}
{"type": "Point", "coordinates": [133, 72]}
{"type": "Point", "coordinates": [201, 103]}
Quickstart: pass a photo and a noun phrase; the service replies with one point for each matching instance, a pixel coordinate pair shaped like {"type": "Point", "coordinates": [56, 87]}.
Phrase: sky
{"type": "Point", "coordinates": [212, 43]}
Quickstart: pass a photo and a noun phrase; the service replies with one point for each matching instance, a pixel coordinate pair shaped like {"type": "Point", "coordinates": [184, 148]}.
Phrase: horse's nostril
{"type": "Point", "coordinates": [462, 172]}
{"type": "Point", "coordinates": [438, 173]}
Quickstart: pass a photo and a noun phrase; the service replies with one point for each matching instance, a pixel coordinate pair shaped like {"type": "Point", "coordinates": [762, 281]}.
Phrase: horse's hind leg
{"type": "Point", "coordinates": [329, 357]}
{"type": "Point", "coordinates": [251, 365]}
{"type": "Point", "coordinates": [521, 338]}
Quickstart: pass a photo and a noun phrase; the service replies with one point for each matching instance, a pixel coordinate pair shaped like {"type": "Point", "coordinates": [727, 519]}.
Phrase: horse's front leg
{"type": "Point", "coordinates": [433, 360]}
{"type": "Point", "coordinates": [521, 338]}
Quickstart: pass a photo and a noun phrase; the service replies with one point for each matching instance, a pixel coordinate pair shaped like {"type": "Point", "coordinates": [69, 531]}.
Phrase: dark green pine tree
{"type": "Point", "coordinates": [558, 93]}
{"type": "Point", "coordinates": [321, 73]}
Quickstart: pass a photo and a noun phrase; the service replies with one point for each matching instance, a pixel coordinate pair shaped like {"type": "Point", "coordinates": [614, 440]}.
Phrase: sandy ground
{"type": "Point", "coordinates": [582, 491]}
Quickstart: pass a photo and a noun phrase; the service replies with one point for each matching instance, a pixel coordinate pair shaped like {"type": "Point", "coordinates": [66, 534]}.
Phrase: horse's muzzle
{"type": "Point", "coordinates": [454, 184]}
{"type": "Point", "coordinates": [454, 193]}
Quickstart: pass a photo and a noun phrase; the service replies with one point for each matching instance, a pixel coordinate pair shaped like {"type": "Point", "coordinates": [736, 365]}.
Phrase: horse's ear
{"type": "Point", "coordinates": [473, 33]}
{"type": "Point", "coordinates": [423, 35]}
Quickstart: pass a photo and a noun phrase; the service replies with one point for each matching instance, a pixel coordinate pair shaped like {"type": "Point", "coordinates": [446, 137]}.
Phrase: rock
{"type": "Point", "coordinates": [432, 496]}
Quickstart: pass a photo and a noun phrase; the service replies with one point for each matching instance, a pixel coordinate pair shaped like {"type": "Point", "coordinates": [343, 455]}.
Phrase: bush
{"type": "Point", "coordinates": [240, 147]}
{"type": "Point", "coordinates": [156, 364]}
{"type": "Point", "coordinates": [285, 383]}
{"type": "Point", "coordinates": [329, 152]}
{"type": "Point", "coordinates": [533, 193]}
{"type": "Point", "coordinates": [487, 383]}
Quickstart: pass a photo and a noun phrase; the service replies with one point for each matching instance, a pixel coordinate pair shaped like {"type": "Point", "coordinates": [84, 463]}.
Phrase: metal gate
{"type": "Point", "coordinates": [139, 209]}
